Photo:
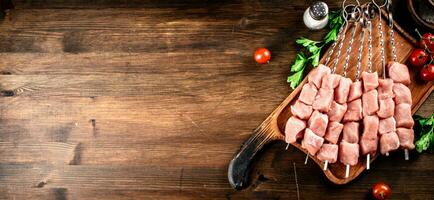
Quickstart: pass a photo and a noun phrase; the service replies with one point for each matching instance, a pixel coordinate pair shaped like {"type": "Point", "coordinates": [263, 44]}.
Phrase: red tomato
{"type": "Point", "coordinates": [381, 191]}
{"type": "Point", "coordinates": [427, 72]}
{"type": "Point", "coordinates": [427, 41]}
{"type": "Point", "coordinates": [418, 58]}
{"type": "Point", "coordinates": [262, 55]}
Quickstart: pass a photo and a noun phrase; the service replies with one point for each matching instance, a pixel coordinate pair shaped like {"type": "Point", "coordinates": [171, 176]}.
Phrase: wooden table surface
{"type": "Point", "coordinates": [117, 99]}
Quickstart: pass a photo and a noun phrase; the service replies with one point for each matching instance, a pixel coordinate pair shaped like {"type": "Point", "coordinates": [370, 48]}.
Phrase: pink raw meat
{"type": "Point", "coordinates": [385, 88]}
{"type": "Point", "coordinates": [354, 111]}
{"type": "Point", "coordinates": [386, 108]}
{"type": "Point", "coordinates": [406, 137]}
{"type": "Point", "coordinates": [387, 125]}
{"type": "Point", "coordinates": [330, 81]}
{"type": "Point", "coordinates": [308, 93]}
{"type": "Point", "coordinates": [348, 153]}
{"type": "Point", "coordinates": [370, 102]}
{"type": "Point", "coordinates": [311, 142]}
{"type": "Point", "coordinates": [294, 129]}
{"type": "Point", "coordinates": [370, 80]}
{"type": "Point", "coordinates": [402, 94]}
{"type": "Point", "coordinates": [301, 110]}
{"type": "Point", "coordinates": [355, 90]}
{"type": "Point", "coordinates": [398, 73]}
{"type": "Point", "coordinates": [337, 111]}
{"type": "Point", "coordinates": [323, 100]}
{"type": "Point", "coordinates": [403, 116]}
{"type": "Point", "coordinates": [328, 152]}
{"type": "Point", "coordinates": [370, 126]}
{"type": "Point", "coordinates": [342, 91]}
{"type": "Point", "coordinates": [351, 132]}
{"type": "Point", "coordinates": [368, 145]}
{"type": "Point", "coordinates": [389, 142]}
{"type": "Point", "coordinates": [318, 123]}
{"type": "Point", "coordinates": [334, 130]}
{"type": "Point", "coordinates": [316, 75]}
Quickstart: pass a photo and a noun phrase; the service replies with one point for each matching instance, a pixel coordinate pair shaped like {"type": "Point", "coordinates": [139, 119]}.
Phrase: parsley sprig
{"type": "Point", "coordinates": [313, 49]}
{"type": "Point", "coordinates": [424, 128]}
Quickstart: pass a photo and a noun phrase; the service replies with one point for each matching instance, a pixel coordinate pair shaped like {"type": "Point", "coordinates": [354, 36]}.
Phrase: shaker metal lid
{"type": "Point", "coordinates": [319, 10]}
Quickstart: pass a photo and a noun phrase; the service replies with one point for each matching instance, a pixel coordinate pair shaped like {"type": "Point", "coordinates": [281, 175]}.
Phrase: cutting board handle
{"type": "Point", "coordinates": [239, 167]}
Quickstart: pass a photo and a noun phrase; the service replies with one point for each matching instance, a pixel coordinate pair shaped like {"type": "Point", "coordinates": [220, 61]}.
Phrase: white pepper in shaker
{"type": "Point", "coordinates": [316, 16]}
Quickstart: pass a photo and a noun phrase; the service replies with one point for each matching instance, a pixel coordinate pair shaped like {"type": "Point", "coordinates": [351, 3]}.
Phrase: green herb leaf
{"type": "Point", "coordinates": [425, 142]}
{"type": "Point", "coordinates": [295, 79]}
{"type": "Point", "coordinates": [315, 59]}
{"type": "Point", "coordinates": [300, 62]}
{"type": "Point", "coordinates": [306, 42]}
{"type": "Point", "coordinates": [424, 129]}
{"type": "Point", "coordinates": [313, 49]}
{"type": "Point", "coordinates": [335, 19]}
{"type": "Point", "coordinates": [331, 36]}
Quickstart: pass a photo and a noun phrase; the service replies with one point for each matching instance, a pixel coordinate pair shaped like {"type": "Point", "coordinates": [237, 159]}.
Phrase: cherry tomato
{"type": "Point", "coordinates": [262, 55]}
{"type": "Point", "coordinates": [381, 191]}
{"type": "Point", "coordinates": [418, 58]}
{"type": "Point", "coordinates": [427, 72]}
{"type": "Point", "coordinates": [427, 41]}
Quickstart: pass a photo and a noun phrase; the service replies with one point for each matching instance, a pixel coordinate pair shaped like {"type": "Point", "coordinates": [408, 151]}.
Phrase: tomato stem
{"type": "Point", "coordinates": [418, 33]}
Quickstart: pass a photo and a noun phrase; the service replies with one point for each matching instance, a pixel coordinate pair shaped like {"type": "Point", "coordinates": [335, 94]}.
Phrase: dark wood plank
{"type": "Point", "coordinates": [115, 99]}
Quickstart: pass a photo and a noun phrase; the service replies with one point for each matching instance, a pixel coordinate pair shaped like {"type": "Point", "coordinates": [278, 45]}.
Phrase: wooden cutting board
{"type": "Point", "coordinates": [272, 128]}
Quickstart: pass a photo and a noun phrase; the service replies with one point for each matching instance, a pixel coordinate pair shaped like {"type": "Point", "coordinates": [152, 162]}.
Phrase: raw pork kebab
{"type": "Point", "coordinates": [330, 104]}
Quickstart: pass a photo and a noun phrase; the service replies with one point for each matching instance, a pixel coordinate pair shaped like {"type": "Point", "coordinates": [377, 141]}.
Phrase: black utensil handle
{"type": "Point", "coordinates": [239, 167]}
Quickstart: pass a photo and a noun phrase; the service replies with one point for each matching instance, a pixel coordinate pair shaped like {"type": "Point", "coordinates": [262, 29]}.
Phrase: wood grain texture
{"type": "Point", "coordinates": [115, 99]}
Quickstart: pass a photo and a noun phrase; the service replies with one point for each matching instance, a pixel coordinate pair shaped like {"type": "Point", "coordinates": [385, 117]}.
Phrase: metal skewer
{"type": "Point", "coordinates": [369, 16]}
{"type": "Point", "coordinates": [325, 165]}
{"type": "Point", "coordinates": [380, 30]}
{"type": "Point", "coordinates": [359, 61]}
{"type": "Point", "coordinates": [392, 42]}
{"type": "Point", "coordinates": [347, 171]}
{"type": "Point", "coordinates": [340, 39]}
{"type": "Point", "coordinates": [355, 19]}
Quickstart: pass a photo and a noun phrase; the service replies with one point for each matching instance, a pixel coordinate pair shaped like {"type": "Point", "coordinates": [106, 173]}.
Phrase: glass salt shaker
{"type": "Point", "coordinates": [316, 16]}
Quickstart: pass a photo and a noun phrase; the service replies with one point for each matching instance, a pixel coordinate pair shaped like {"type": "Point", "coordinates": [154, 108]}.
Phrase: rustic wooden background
{"type": "Point", "coordinates": [117, 99]}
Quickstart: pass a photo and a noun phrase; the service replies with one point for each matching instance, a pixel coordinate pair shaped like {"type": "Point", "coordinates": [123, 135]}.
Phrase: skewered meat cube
{"type": "Point", "coordinates": [369, 139]}
{"type": "Point", "coordinates": [330, 81]}
{"type": "Point", "coordinates": [301, 110]}
{"type": "Point", "coordinates": [355, 91]}
{"type": "Point", "coordinates": [385, 88]}
{"type": "Point", "coordinates": [323, 100]}
{"type": "Point", "coordinates": [318, 123]}
{"type": "Point", "coordinates": [311, 142]}
{"type": "Point", "coordinates": [354, 111]}
{"type": "Point", "coordinates": [386, 108]}
{"type": "Point", "coordinates": [406, 137]}
{"type": "Point", "coordinates": [398, 73]}
{"type": "Point", "coordinates": [402, 94]}
{"type": "Point", "coordinates": [387, 125]}
{"type": "Point", "coordinates": [389, 142]}
{"type": "Point", "coordinates": [370, 126]}
{"type": "Point", "coordinates": [351, 132]}
{"type": "Point", "coordinates": [294, 129]}
{"type": "Point", "coordinates": [343, 89]}
{"type": "Point", "coordinates": [316, 75]}
{"type": "Point", "coordinates": [368, 145]}
{"type": "Point", "coordinates": [308, 93]}
{"type": "Point", "coordinates": [334, 130]}
{"type": "Point", "coordinates": [370, 102]}
{"type": "Point", "coordinates": [337, 111]}
{"type": "Point", "coordinates": [370, 80]}
{"type": "Point", "coordinates": [403, 116]}
{"type": "Point", "coordinates": [348, 153]}
{"type": "Point", "coordinates": [328, 152]}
